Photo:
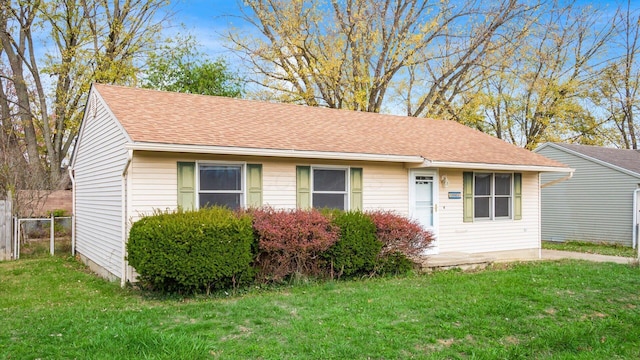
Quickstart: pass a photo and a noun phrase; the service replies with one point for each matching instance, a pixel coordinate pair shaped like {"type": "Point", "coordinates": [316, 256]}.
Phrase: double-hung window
{"type": "Point", "coordinates": [493, 195]}
{"type": "Point", "coordinates": [216, 183]}
{"type": "Point", "coordinates": [221, 185]}
{"type": "Point", "coordinates": [330, 188]}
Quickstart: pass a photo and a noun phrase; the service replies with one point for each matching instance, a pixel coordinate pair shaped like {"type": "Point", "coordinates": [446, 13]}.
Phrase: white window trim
{"type": "Point", "coordinates": [243, 180]}
{"type": "Point", "coordinates": [347, 192]}
{"type": "Point", "coordinates": [492, 196]}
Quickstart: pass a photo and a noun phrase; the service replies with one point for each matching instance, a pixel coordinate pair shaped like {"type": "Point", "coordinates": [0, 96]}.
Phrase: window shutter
{"type": "Point", "coordinates": [356, 189]}
{"type": "Point", "coordinates": [467, 205]}
{"type": "Point", "coordinates": [303, 187]}
{"type": "Point", "coordinates": [187, 185]}
{"type": "Point", "coordinates": [517, 196]}
{"type": "Point", "coordinates": [254, 185]}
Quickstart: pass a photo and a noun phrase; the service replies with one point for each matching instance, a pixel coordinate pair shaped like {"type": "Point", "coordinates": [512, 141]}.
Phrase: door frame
{"type": "Point", "coordinates": [434, 248]}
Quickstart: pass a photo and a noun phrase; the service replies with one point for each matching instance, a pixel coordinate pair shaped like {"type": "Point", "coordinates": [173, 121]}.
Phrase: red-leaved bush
{"type": "Point", "coordinates": [290, 242]}
{"type": "Point", "coordinates": [400, 234]}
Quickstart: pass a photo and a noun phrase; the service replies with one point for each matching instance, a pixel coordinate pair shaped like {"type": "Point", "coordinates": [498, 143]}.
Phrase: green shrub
{"type": "Point", "coordinates": [395, 263]}
{"type": "Point", "coordinates": [357, 249]}
{"type": "Point", "coordinates": [194, 250]}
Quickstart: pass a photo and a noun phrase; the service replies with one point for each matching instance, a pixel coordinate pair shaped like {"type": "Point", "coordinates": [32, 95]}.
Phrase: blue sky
{"type": "Point", "coordinates": [205, 19]}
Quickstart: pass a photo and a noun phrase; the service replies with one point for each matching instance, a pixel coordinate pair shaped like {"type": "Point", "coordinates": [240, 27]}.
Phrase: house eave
{"type": "Point", "coordinates": [286, 153]}
{"type": "Point", "coordinates": [498, 167]}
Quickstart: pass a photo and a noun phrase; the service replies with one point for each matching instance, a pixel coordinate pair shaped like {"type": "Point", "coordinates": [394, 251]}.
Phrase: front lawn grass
{"type": "Point", "coordinates": [51, 308]}
{"type": "Point", "coordinates": [591, 248]}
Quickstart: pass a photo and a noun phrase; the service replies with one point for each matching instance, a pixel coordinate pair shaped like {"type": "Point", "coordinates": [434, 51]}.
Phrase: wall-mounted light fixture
{"type": "Point", "coordinates": [444, 180]}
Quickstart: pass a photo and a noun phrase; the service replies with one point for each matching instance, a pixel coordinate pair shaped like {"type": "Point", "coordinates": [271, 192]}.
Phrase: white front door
{"type": "Point", "coordinates": [423, 196]}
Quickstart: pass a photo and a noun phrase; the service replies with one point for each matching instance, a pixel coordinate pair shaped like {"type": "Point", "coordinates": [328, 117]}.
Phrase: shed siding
{"type": "Point", "coordinates": [154, 182]}
{"type": "Point", "coordinates": [99, 161]}
{"type": "Point", "coordinates": [596, 204]}
{"type": "Point", "coordinates": [487, 235]}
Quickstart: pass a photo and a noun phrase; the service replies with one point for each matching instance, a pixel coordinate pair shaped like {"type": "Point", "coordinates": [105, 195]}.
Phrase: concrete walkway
{"type": "Point", "coordinates": [557, 255]}
{"type": "Point", "coordinates": [466, 261]}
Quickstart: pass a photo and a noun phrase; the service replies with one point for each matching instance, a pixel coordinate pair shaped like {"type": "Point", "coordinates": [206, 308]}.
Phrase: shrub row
{"type": "Point", "coordinates": [217, 248]}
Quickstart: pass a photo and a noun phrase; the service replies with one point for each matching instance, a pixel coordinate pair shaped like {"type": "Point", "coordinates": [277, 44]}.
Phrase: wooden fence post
{"type": "Point", "coordinates": [6, 228]}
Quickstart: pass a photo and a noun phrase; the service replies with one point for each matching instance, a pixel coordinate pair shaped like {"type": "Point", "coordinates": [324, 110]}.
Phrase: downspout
{"type": "Point", "coordinates": [125, 172]}
{"type": "Point", "coordinates": [565, 178]}
{"type": "Point", "coordinates": [73, 211]}
{"type": "Point", "coordinates": [635, 220]}
{"type": "Point", "coordinates": [540, 216]}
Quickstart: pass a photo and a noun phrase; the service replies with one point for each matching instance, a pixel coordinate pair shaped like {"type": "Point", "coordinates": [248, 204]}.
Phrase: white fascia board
{"type": "Point", "coordinates": [499, 167]}
{"type": "Point", "coordinates": [228, 150]}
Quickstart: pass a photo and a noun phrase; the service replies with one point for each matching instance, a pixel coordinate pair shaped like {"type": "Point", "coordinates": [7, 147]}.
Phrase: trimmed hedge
{"type": "Point", "coordinates": [400, 234]}
{"type": "Point", "coordinates": [291, 242]}
{"type": "Point", "coordinates": [194, 250]}
{"type": "Point", "coordinates": [215, 248]}
{"type": "Point", "coordinates": [356, 251]}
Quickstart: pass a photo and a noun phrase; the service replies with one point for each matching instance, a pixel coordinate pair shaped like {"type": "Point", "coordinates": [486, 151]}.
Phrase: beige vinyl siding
{"type": "Point", "coordinates": [386, 187]}
{"type": "Point", "coordinates": [486, 235]}
{"type": "Point", "coordinates": [595, 205]}
{"type": "Point", "coordinates": [99, 161]}
{"type": "Point", "coordinates": [154, 182]}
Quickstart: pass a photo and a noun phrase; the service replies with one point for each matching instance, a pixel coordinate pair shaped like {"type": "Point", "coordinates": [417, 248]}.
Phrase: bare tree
{"type": "Point", "coordinates": [619, 83]}
{"type": "Point", "coordinates": [92, 40]}
{"type": "Point", "coordinates": [350, 53]}
{"type": "Point", "coordinates": [537, 91]}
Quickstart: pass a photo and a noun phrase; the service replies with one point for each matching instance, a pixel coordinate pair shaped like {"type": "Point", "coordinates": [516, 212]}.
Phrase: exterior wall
{"type": "Point", "coordinates": [485, 236]}
{"type": "Point", "coordinates": [386, 186]}
{"type": "Point", "coordinates": [98, 165]}
{"type": "Point", "coordinates": [154, 181]}
{"type": "Point", "coordinates": [596, 204]}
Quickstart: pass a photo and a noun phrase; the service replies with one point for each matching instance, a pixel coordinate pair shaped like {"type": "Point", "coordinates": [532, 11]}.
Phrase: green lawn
{"type": "Point", "coordinates": [51, 308]}
{"type": "Point", "coordinates": [592, 248]}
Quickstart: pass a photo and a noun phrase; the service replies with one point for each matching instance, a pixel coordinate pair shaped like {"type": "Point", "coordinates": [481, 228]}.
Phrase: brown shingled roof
{"type": "Point", "coordinates": [151, 116]}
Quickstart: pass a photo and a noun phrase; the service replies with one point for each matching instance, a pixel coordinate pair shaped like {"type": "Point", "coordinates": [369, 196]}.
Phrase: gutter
{"type": "Point", "coordinates": [73, 210]}
{"type": "Point", "coordinates": [125, 171]}
{"type": "Point", "coordinates": [635, 220]}
{"type": "Point", "coordinates": [494, 167]}
{"type": "Point", "coordinates": [290, 153]}
{"type": "Point", "coordinates": [564, 178]}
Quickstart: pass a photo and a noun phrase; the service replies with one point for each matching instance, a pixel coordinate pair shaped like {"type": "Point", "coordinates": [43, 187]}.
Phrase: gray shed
{"type": "Point", "coordinates": [600, 202]}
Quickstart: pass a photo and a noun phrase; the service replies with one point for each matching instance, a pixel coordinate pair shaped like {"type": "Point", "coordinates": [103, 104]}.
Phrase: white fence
{"type": "Point", "coordinates": [19, 232]}
{"type": "Point", "coordinates": [12, 231]}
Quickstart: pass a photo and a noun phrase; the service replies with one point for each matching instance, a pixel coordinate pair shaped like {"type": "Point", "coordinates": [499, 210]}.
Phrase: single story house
{"type": "Point", "coordinates": [140, 150]}
{"type": "Point", "coordinates": [600, 202]}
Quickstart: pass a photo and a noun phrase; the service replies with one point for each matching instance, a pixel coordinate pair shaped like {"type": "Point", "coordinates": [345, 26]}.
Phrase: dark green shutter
{"type": "Point", "coordinates": [303, 187]}
{"type": "Point", "coordinates": [517, 196]}
{"type": "Point", "coordinates": [356, 189]}
{"type": "Point", "coordinates": [187, 185]}
{"type": "Point", "coordinates": [254, 185]}
{"type": "Point", "coordinates": [467, 205]}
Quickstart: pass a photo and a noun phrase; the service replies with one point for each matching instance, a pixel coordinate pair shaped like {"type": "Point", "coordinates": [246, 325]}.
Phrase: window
{"type": "Point", "coordinates": [329, 189]}
{"type": "Point", "coordinates": [207, 184]}
{"type": "Point", "coordinates": [220, 185]}
{"type": "Point", "coordinates": [492, 195]}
